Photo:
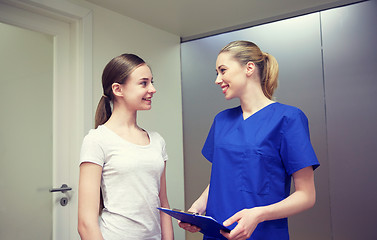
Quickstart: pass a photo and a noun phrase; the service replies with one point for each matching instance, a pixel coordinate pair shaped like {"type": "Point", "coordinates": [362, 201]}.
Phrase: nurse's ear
{"type": "Point", "coordinates": [250, 69]}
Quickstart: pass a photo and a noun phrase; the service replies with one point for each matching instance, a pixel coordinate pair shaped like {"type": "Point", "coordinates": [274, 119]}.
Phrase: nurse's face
{"type": "Point", "coordinates": [231, 76]}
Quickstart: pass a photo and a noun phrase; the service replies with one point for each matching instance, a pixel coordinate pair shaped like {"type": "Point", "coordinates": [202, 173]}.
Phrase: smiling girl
{"type": "Point", "coordinates": [122, 166]}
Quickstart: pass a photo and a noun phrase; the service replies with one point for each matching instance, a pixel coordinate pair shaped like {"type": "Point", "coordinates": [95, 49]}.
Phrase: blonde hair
{"type": "Point", "coordinates": [245, 51]}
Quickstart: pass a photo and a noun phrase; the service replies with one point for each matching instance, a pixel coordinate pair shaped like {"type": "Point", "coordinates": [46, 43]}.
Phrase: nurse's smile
{"type": "Point", "coordinates": [225, 88]}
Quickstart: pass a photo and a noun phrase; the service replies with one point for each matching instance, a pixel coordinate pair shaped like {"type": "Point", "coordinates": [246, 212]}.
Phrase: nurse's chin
{"type": "Point", "coordinates": [229, 97]}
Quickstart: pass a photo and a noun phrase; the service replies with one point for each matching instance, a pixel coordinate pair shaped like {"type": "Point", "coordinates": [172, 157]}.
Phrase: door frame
{"type": "Point", "coordinates": [71, 27]}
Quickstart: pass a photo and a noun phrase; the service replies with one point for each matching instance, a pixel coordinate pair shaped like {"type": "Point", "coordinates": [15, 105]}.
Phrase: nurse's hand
{"type": "Point", "coordinates": [247, 220]}
{"type": "Point", "coordinates": [188, 226]}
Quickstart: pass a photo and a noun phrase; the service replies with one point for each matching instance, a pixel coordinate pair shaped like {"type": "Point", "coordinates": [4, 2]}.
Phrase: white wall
{"type": "Point", "coordinates": [114, 34]}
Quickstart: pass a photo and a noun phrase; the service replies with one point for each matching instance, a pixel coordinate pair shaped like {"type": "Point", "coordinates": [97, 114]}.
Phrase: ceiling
{"type": "Point", "coordinates": [191, 19]}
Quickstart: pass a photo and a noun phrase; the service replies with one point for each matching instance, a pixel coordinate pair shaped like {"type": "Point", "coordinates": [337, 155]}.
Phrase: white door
{"type": "Point", "coordinates": [26, 84]}
{"type": "Point", "coordinates": [42, 101]}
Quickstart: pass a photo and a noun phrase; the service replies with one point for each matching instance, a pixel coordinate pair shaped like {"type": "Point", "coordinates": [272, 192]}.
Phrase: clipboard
{"type": "Point", "coordinates": [208, 225]}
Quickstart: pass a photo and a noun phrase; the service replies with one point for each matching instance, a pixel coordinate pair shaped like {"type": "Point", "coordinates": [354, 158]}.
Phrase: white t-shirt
{"type": "Point", "coordinates": [130, 183]}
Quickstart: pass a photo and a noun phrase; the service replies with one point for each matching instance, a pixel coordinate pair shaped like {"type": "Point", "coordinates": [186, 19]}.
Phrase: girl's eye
{"type": "Point", "coordinates": [152, 82]}
{"type": "Point", "coordinates": [144, 83]}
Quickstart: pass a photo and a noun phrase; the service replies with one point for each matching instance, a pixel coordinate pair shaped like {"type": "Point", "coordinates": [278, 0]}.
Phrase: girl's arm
{"type": "Point", "coordinates": [166, 223]}
{"type": "Point", "coordinates": [303, 198]}
{"type": "Point", "coordinates": [199, 206]}
{"type": "Point", "coordinates": [89, 201]}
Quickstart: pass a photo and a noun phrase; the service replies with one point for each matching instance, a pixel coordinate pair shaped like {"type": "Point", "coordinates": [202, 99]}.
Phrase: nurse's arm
{"type": "Point", "coordinates": [301, 199]}
{"type": "Point", "coordinates": [199, 206]}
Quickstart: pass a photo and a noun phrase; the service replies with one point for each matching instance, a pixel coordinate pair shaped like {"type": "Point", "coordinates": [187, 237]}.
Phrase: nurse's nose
{"type": "Point", "coordinates": [218, 80]}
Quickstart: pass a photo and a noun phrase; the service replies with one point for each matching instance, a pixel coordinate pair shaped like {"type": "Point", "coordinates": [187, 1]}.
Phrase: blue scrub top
{"type": "Point", "coordinates": [253, 160]}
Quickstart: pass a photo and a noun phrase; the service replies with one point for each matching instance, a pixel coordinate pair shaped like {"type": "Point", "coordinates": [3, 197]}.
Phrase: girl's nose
{"type": "Point", "coordinates": [152, 89]}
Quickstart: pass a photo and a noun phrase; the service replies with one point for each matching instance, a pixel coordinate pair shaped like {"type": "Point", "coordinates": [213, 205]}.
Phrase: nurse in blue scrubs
{"type": "Point", "coordinates": [255, 149]}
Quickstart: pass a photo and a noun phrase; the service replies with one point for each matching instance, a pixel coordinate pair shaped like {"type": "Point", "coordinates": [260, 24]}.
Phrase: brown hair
{"type": "Point", "coordinates": [116, 71]}
{"type": "Point", "coordinates": [245, 51]}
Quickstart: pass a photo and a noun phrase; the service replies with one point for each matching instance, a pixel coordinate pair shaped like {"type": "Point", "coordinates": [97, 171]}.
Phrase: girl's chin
{"type": "Point", "coordinates": [149, 107]}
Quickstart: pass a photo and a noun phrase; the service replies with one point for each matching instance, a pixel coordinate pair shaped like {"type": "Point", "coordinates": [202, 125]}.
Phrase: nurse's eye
{"type": "Point", "coordinates": [222, 70]}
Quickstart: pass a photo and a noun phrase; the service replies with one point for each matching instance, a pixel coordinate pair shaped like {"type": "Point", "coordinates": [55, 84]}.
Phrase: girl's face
{"type": "Point", "coordinates": [231, 76]}
{"type": "Point", "coordinates": [138, 90]}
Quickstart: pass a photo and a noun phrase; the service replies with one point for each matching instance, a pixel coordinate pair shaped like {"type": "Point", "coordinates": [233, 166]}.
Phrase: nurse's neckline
{"type": "Point", "coordinates": [248, 115]}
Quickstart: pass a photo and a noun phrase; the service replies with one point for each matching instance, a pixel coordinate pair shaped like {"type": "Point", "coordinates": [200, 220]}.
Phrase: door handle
{"type": "Point", "coordinates": [64, 188]}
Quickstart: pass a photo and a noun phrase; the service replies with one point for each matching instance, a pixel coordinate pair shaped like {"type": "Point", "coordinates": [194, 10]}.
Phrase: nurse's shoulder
{"type": "Point", "coordinates": [228, 114]}
{"type": "Point", "coordinates": [291, 114]}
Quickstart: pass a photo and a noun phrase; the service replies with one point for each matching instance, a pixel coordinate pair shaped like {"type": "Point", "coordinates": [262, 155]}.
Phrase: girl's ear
{"type": "Point", "coordinates": [250, 68]}
{"type": "Point", "coordinates": [117, 89]}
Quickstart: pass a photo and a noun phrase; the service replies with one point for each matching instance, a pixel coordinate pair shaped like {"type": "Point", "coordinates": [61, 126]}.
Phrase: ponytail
{"type": "Point", "coordinates": [103, 111]}
{"type": "Point", "coordinates": [269, 78]}
{"type": "Point", "coordinates": [103, 114]}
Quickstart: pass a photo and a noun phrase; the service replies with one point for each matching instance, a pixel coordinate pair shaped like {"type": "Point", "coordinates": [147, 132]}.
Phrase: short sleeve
{"type": "Point", "coordinates": [164, 152]}
{"type": "Point", "coordinates": [91, 151]}
{"type": "Point", "coordinates": [296, 149]}
{"type": "Point", "coordinates": [208, 147]}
